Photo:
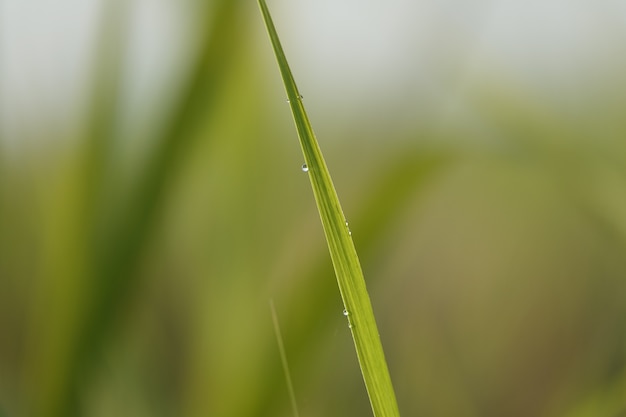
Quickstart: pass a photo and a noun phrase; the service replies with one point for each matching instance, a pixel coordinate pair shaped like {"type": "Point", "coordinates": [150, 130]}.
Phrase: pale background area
{"type": "Point", "coordinates": [354, 57]}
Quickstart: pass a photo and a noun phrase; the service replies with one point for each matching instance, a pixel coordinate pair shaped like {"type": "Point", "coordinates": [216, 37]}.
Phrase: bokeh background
{"type": "Point", "coordinates": [152, 203]}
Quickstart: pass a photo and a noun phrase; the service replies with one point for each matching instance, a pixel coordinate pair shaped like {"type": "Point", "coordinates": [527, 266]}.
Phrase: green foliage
{"type": "Point", "coordinates": [358, 308]}
{"type": "Point", "coordinates": [135, 269]}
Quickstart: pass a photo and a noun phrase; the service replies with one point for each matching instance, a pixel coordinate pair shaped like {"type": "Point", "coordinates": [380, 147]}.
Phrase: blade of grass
{"type": "Point", "coordinates": [358, 307]}
{"type": "Point", "coordinates": [406, 177]}
{"type": "Point", "coordinates": [283, 359]}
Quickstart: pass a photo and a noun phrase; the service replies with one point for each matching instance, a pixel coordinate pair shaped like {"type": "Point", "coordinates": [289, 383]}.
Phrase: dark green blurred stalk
{"type": "Point", "coordinates": [116, 244]}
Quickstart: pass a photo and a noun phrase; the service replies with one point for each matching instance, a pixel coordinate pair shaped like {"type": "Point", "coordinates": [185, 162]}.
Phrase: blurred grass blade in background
{"type": "Point", "coordinates": [283, 359]}
{"type": "Point", "coordinates": [358, 308]}
{"type": "Point", "coordinates": [117, 241]}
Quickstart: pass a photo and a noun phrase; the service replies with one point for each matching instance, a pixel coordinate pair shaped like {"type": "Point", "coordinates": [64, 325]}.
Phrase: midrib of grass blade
{"type": "Point", "coordinates": [342, 251]}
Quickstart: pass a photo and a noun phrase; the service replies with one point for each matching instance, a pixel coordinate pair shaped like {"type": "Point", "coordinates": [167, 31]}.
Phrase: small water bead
{"type": "Point", "coordinates": [305, 168]}
{"type": "Point", "coordinates": [348, 227]}
{"type": "Point", "coordinates": [347, 314]}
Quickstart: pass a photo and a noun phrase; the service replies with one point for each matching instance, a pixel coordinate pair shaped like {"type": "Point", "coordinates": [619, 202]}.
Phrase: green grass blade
{"type": "Point", "coordinates": [343, 254]}
{"type": "Point", "coordinates": [283, 359]}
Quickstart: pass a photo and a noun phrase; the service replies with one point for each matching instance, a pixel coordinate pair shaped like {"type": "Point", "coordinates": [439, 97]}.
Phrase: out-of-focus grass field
{"type": "Point", "coordinates": [143, 231]}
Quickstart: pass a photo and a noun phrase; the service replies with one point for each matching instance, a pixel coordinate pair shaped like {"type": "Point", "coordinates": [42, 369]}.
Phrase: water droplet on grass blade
{"type": "Point", "coordinates": [347, 314]}
{"type": "Point", "coordinates": [305, 168]}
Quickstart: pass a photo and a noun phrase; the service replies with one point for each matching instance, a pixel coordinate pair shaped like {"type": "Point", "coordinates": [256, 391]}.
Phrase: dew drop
{"type": "Point", "coordinates": [348, 227]}
{"type": "Point", "coordinates": [347, 314]}
{"type": "Point", "coordinates": [305, 168]}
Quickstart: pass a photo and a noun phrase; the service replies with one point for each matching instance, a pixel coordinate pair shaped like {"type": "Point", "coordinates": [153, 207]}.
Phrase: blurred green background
{"type": "Point", "coordinates": [152, 203]}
